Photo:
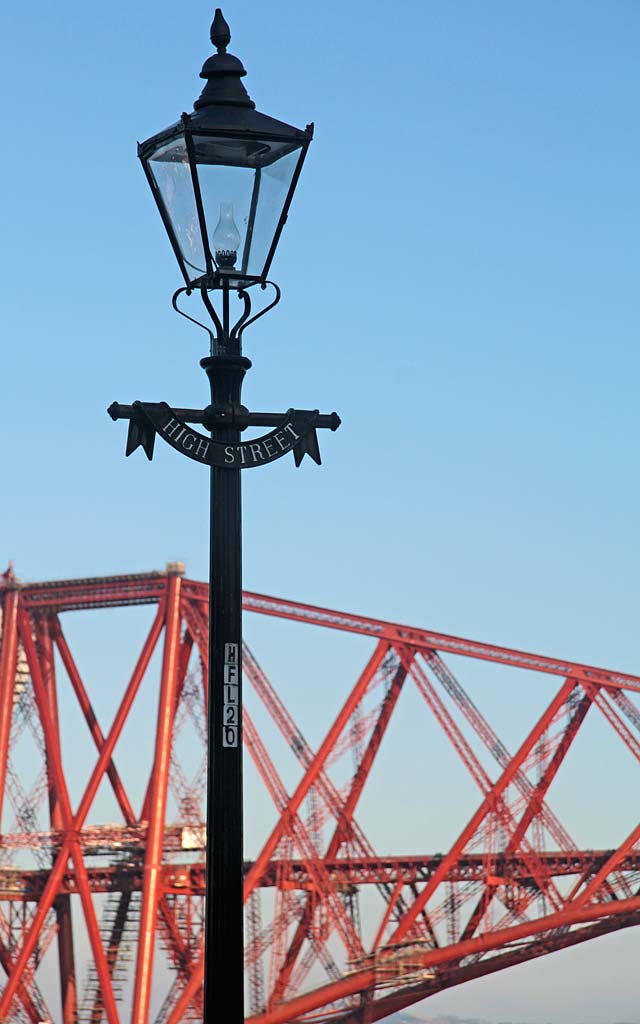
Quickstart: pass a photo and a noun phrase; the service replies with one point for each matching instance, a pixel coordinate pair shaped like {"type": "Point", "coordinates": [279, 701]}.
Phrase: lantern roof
{"type": "Point", "coordinates": [224, 105]}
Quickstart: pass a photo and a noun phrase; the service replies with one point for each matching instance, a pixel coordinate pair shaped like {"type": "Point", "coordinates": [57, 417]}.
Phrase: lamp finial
{"type": "Point", "coordinates": [220, 32]}
{"type": "Point", "coordinates": [223, 72]}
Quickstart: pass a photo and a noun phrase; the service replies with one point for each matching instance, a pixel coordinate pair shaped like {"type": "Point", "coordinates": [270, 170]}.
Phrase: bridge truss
{"type": "Point", "coordinates": [334, 930]}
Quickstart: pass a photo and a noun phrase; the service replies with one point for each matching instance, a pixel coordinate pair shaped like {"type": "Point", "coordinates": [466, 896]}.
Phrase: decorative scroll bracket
{"type": "Point", "coordinates": [295, 432]}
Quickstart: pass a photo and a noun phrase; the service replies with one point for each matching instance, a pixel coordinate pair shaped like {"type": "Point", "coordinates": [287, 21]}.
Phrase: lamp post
{"type": "Point", "coordinates": [223, 178]}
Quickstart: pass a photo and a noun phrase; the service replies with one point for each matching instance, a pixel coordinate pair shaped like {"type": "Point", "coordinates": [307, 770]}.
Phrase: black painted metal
{"type": "Point", "coordinates": [224, 950]}
{"type": "Point", "coordinates": [226, 417]}
{"type": "Point", "coordinates": [225, 116]}
{"type": "Point", "coordinates": [244, 320]}
{"type": "Point", "coordinates": [214, 418]}
{"type": "Point", "coordinates": [222, 71]}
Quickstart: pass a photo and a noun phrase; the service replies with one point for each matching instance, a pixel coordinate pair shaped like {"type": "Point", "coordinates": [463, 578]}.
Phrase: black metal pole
{"type": "Point", "coordinates": [224, 949]}
{"type": "Point", "coordinates": [225, 418]}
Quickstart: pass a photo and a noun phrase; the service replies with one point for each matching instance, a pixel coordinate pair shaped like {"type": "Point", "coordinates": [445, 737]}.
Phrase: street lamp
{"type": "Point", "coordinates": [223, 178]}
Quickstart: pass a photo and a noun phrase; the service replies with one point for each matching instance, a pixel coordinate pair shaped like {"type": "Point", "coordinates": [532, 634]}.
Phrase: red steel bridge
{"type": "Point", "coordinates": [103, 921]}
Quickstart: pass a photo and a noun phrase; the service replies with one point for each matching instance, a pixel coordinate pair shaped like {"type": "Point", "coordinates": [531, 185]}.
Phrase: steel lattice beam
{"type": "Point", "coordinates": [512, 887]}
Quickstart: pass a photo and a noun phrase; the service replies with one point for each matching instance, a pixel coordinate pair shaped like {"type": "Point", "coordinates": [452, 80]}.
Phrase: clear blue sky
{"type": "Point", "coordinates": [460, 279]}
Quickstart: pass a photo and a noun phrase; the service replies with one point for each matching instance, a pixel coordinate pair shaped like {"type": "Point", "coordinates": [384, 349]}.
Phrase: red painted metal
{"type": "Point", "coordinates": [8, 662]}
{"type": "Point", "coordinates": [158, 803]}
{"type": "Point", "coordinates": [62, 905]}
{"type": "Point", "coordinates": [512, 887]}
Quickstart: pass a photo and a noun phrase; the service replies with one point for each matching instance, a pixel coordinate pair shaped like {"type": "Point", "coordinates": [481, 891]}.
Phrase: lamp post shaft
{"type": "Point", "coordinates": [227, 144]}
{"type": "Point", "coordinates": [224, 949]}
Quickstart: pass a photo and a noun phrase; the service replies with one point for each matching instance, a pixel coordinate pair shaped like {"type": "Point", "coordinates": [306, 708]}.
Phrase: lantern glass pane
{"type": "Point", "coordinates": [169, 165]}
{"type": "Point", "coordinates": [255, 179]}
{"type": "Point", "coordinates": [275, 181]}
{"type": "Point", "coordinates": [226, 200]}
